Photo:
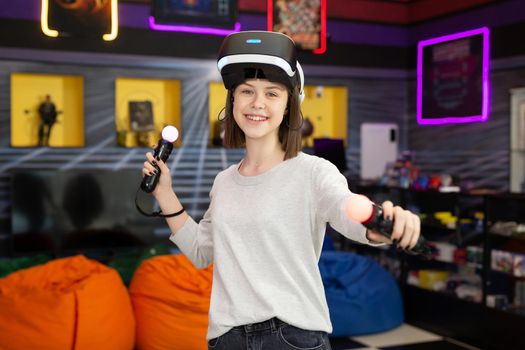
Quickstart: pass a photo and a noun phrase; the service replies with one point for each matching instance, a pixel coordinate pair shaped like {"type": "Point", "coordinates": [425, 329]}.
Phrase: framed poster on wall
{"type": "Point", "coordinates": [453, 78]}
{"type": "Point", "coordinates": [141, 116]}
{"type": "Point", "coordinates": [302, 20]}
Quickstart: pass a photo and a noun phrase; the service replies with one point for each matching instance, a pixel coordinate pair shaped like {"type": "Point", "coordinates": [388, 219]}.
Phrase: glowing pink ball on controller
{"type": "Point", "coordinates": [170, 133]}
{"type": "Point", "coordinates": [359, 208]}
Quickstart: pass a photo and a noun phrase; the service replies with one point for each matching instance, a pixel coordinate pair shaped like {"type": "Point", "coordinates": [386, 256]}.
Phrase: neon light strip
{"type": "Point", "coordinates": [114, 22]}
{"type": "Point", "coordinates": [269, 17]}
{"type": "Point", "coordinates": [322, 37]}
{"type": "Point", "coordinates": [190, 29]}
{"type": "Point", "coordinates": [44, 24]}
{"type": "Point", "coordinates": [485, 79]}
{"type": "Point", "coordinates": [43, 20]}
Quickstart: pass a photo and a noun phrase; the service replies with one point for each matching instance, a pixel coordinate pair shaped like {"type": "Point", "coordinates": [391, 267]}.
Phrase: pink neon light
{"type": "Point", "coordinates": [485, 79]}
{"type": "Point", "coordinates": [322, 47]}
{"type": "Point", "coordinates": [322, 40]}
{"type": "Point", "coordinates": [190, 29]}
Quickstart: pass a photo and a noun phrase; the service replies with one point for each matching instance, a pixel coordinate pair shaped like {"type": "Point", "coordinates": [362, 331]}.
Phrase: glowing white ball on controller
{"type": "Point", "coordinates": [358, 208]}
{"type": "Point", "coordinates": [170, 133]}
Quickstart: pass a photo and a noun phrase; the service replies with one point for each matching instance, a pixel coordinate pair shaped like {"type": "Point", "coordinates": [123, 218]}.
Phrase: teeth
{"type": "Point", "coordinates": [256, 118]}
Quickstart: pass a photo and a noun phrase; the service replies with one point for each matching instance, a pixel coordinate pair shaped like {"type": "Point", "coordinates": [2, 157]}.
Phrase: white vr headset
{"type": "Point", "coordinates": [259, 54]}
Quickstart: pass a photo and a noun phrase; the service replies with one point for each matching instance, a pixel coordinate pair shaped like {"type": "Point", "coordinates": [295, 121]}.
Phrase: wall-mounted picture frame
{"type": "Point", "coordinates": [453, 78]}
{"type": "Point", "coordinates": [303, 21]}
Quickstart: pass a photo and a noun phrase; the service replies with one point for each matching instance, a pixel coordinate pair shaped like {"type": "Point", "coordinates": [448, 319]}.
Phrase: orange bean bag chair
{"type": "Point", "coordinates": [171, 299]}
{"type": "Point", "coordinates": [71, 303]}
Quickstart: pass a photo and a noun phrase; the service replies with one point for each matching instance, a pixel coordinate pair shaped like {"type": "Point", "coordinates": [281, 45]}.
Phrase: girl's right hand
{"type": "Point", "coordinates": [165, 176]}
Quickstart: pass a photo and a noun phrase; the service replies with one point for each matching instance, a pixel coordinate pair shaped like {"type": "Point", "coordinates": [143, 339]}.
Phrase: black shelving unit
{"type": "Point", "coordinates": [505, 227]}
{"type": "Point", "coordinates": [447, 312]}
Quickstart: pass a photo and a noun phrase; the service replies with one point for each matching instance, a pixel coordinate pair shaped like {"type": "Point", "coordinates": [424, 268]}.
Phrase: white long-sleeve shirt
{"type": "Point", "coordinates": [264, 235]}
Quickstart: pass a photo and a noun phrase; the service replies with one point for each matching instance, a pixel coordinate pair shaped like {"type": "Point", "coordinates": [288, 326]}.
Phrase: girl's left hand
{"type": "Point", "coordinates": [406, 229]}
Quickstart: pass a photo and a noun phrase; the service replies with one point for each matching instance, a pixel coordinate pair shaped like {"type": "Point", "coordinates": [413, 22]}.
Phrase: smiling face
{"type": "Point", "coordinates": [259, 107]}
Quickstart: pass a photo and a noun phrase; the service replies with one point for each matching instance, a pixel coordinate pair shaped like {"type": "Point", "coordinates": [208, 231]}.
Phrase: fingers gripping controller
{"type": "Point", "coordinates": [162, 152]}
{"type": "Point", "coordinates": [360, 209]}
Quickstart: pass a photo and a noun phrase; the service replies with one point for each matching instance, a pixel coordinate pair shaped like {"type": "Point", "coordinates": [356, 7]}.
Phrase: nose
{"type": "Point", "coordinates": [258, 101]}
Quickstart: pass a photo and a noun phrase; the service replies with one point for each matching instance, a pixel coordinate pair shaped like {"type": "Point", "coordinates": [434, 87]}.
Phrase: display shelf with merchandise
{"type": "Point", "coordinates": [472, 288]}
{"type": "Point", "coordinates": [452, 223]}
{"type": "Point", "coordinates": [505, 282]}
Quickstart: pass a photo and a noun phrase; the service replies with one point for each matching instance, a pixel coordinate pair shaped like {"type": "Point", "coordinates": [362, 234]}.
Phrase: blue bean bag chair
{"type": "Point", "coordinates": [363, 297]}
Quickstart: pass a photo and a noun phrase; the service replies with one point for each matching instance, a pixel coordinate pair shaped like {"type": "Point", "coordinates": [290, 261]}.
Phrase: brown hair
{"type": "Point", "coordinates": [289, 130]}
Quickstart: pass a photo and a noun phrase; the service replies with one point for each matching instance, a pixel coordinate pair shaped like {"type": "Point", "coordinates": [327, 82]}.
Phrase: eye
{"type": "Point", "coordinates": [246, 92]}
{"type": "Point", "coordinates": [272, 94]}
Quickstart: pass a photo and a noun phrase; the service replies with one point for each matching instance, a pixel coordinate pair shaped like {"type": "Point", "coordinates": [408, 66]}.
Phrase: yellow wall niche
{"type": "Point", "coordinates": [216, 102]}
{"type": "Point", "coordinates": [165, 98]}
{"type": "Point", "coordinates": [327, 109]}
{"type": "Point", "coordinates": [29, 90]}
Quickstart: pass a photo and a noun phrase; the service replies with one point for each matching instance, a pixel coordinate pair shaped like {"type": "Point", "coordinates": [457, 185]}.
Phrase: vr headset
{"type": "Point", "coordinates": [260, 55]}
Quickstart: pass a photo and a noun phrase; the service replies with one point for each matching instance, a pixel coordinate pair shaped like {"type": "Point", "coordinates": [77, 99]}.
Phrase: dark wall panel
{"type": "Point", "coordinates": [478, 152]}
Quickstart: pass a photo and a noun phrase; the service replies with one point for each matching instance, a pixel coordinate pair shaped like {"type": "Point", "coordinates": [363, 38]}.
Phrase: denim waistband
{"type": "Point", "coordinates": [271, 324]}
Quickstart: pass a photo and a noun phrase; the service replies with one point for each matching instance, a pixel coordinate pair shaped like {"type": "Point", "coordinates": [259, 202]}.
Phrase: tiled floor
{"type": "Point", "coordinates": [405, 337]}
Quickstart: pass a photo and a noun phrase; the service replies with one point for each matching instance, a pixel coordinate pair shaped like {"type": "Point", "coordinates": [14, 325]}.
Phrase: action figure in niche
{"type": "Point", "coordinates": [48, 117]}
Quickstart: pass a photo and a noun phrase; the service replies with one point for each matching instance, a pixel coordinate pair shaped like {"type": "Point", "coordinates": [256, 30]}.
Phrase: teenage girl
{"type": "Point", "coordinates": [265, 225]}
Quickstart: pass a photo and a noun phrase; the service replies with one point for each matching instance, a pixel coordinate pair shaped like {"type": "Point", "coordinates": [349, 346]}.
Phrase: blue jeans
{"type": "Point", "coordinates": [273, 334]}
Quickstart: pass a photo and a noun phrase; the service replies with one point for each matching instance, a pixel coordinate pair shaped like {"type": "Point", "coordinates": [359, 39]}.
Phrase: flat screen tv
{"type": "Point", "coordinates": [79, 211]}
